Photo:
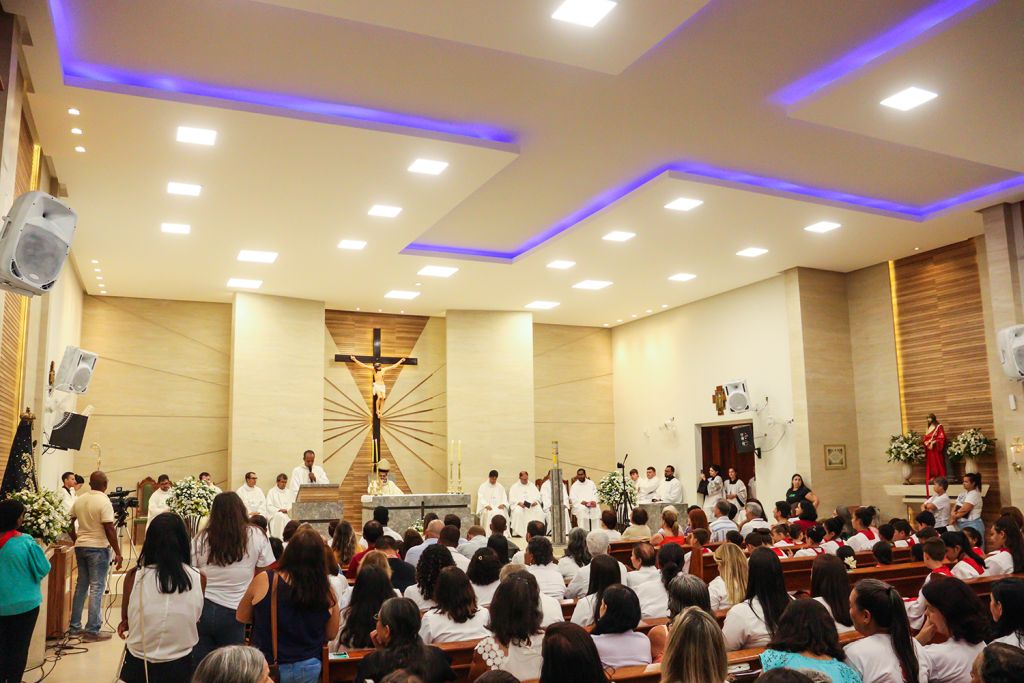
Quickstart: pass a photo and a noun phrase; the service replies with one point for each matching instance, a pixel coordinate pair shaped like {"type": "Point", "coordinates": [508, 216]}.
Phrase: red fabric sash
{"type": "Point", "coordinates": [818, 550]}
{"type": "Point", "coordinates": [8, 536]}
{"type": "Point", "coordinates": [868, 534]}
{"type": "Point", "coordinates": [978, 552]}
{"type": "Point", "coordinates": [911, 542]}
{"type": "Point", "coordinates": [944, 570]}
{"type": "Point", "coordinates": [974, 565]}
{"type": "Point", "coordinates": [779, 552]}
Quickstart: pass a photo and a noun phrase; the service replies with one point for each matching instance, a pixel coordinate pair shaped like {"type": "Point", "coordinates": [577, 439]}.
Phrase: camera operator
{"type": "Point", "coordinates": [93, 539]}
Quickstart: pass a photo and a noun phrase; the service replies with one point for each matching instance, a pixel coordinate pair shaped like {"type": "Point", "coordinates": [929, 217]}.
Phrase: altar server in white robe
{"type": "Point", "coordinates": [279, 505]}
{"type": "Point", "coordinates": [68, 491]}
{"type": "Point", "coordinates": [670, 490]}
{"type": "Point", "coordinates": [158, 499]}
{"type": "Point", "coordinates": [545, 502]}
{"type": "Point", "coordinates": [253, 497]}
{"type": "Point", "coordinates": [491, 499]}
{"type": "Point", "coordinates": [524, 501]}
{"type": "Point", "coordinates": [308, 473]}
{"type": "Point", "coordinates": [583, 496]}
{"type": "Point", "coordinates": [208, 480]}
{"type": "Point", "coordinates": [647, 489]}
{"type": "Point", "coordinates": [386, 487]}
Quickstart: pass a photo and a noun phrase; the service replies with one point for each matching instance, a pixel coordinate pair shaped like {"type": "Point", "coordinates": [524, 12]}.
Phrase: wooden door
{"type": "Point", "coordinates": [719, 448]}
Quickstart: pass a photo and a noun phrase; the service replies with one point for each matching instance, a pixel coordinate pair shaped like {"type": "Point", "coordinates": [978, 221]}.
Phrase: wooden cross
{"type": "Point", "coordinates": [383, 360]}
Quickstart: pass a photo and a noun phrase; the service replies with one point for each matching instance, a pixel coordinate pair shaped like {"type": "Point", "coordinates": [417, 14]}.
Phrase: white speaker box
{"type": "Point", "coordinates": [1010, 341]}
{"type": "Point", "coordinates": [75, 370]}
{"type": "Point", "coordinates": [737, 399]}
{"type": "Point", "coordinates": [34, 243]}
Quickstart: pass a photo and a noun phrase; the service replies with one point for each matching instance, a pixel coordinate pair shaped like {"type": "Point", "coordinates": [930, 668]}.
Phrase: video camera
{"type": "Point", "coordinates": [122, 501]}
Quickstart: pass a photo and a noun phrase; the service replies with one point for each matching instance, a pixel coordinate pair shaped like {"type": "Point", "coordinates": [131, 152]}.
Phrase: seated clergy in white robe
{"type": "Point", "coordinates": [253, 497]}
{"type": "Point", "coordinates": [385, 487]}
{"type": "Point", "coordinates": [670, 490]}
{"type": "Point", "coordinates": [524, 502]}
{"type": "Point", "coordinates": [279, 505]}
{"type": "Point", "coordinates": [545, 502]}
{"type": "Point", "coordinates": [647, 488]}
{"type": "Point", "coordinates": [158, 499]}
{"type": "Point", "coordinates": [491, 500]}
{"type": "Point", "coordinates": [583, 498]}
{"type": "Point", "coordinates": [308, 473]}
{"type": "Point", "coordinates": [208, 480]}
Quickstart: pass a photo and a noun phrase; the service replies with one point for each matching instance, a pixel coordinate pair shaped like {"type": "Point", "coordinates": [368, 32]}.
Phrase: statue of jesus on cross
{"type": "Point", "coordinates": [380, 391]}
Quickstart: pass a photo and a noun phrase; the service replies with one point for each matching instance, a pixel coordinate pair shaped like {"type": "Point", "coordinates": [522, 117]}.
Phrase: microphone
{"type": "Point", "coordinates": [622, 465]}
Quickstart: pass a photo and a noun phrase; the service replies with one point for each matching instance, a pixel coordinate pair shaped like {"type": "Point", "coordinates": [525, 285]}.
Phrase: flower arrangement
{"type": "Point", "coordinates": [609, 490]}
{"type": "Point", "coordinates": [969, 445]}
{"type": "Point", "coordinates": [45, 518]}
{"type": "Point", "coordinates": [418, 526]}
{"type": "Point", "coordinates": [906, 448]}
{"type": "Point", "coordinates": [191, 498]}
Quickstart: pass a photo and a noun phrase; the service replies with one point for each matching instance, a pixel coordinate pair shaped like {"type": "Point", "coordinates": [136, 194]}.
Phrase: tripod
{"type": "Point", "coordinates": [623, 508]}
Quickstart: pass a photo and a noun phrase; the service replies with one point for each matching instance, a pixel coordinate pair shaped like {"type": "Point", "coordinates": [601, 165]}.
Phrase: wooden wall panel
{"type": "Point", "coordinates": [941, 348]}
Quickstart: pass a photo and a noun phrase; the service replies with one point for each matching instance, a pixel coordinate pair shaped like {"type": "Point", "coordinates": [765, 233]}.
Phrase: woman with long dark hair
{"type": "Point", "coordinates": [410, 539]}
{"type": "Point", "coordinates": [888, 652]}
{"type": "Point", "coordinates": [483, 572]}
{"type": "Point", "coordinates": [604, 571]}
{"type": "Point", "coordinates": [1006, 604]}
{"type": "Point", "coordinates": [457, 616]}
{"type": "Point", "coordinates": [967, 563]}
{"type": "Point", "coordinates": [956, 613]}
{"type": "Point", "coordinates": [576, 554]}
{"type": "Point", "coordinates": [435, 558]}
{"type": "Point", "coordinates": [570, 655]}
{"type": "Point", "coordinates": [229, 551]}
{"type": "Point", "coordinates": [307, 611]}
{"type": "Point", "coordinates": [653, 594]}
{"type": "Point", "coordinates": [798, 492]}
{"type": "Point", "coordinates": [399, 646]}
{"type": "Point", "coordinates": [866, 535]}
{"type": "Point", "coordinates": [343, 544]}
{"type": "Point", "coordinates": [830, 585]}
{"type": "Point", "coordinates": [715, 488]}
{"type": "Point", "coordinates": [753, 622]}
{"type": "Point", "coordinates": [615, 635]}
{"type": "Point", "coordinates": [371, 590]}
{"type": "Point", "coordinates": [514, 645]}
{"type": "Point", "coordinates": [1008, 556]}
{"type": "Point", "coordinates": [499, 544]}
{"type": "Point", "coordinates": [807, 639]}
{"type": "Point", "coordinates": [163, 600]}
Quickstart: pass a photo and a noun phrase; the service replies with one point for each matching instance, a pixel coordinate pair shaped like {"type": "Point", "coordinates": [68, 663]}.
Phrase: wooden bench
{"type": "Point", "coordinates": [344, 670]}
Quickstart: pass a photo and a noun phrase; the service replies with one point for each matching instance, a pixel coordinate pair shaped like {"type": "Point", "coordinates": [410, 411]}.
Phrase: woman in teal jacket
{"type": "Point", "coordinates": [22, 567]}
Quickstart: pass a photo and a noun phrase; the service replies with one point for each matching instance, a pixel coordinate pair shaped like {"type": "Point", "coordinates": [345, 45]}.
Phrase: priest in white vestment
{"type": "Point", "coordinates": [308, 473]}
{"type": "Point", "coordinates": [545, 501]}
{"type": "Point", "coordinates": [252, 496]}
{"type": "Point", "coordinates": [647, 488]}
{"type": "Point", "coordinates": [583, 497]}
{"type": "Point", "coordinates": [279, 505]}
{"type": "Point", "coordinates": [670, 490]}
{"type": "Point", "coordinates": [385, 487]}
{"type": "Point", "coordinates": [158, 499]}
{"type": "Point", "coordinates": [524, 501]}
{"type": "Point", "coordinates": [491, 500]}
{"type": "Point", "coordinates": [208, 480]}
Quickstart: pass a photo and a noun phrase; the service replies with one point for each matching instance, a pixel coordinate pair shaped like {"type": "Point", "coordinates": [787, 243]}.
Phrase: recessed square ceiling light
{"type": "Point", "coordinates": [99, 277]}
{"type": "Point", "coordinates": [353, 245]}
{"type": "Point", "coordinates": [79, 149]}
{"type": "Point", "coordinates": [196, 136]}
{"type": "Point", "coordinates": [592, 284]}
{"type": "Point", "coordinates": [176, 228]}
{"type": "Point", "coordinates": [257, 256]}
{"type": "Point", "coordinates": [751, 252]}
{"type": "Point", "coordinates": [428, 166]}
{"type": "Point", "coordinates": [541, 305]}
{"type": "Point", "coordinates": [242, 283]}
{"type": "Point", "coordinates": [384, 211]}
{"type": "Point", "coordinates": [822, 226]}
{"type": "Point", "coordinates": [187, 189]}
{"type": "Point", "coordinates": [76, 131]}
{"type": "Point", "coordinates": [95, 261]}
{"type": "Point", "coordinates": [97, 270]}
{"type": "Point", "coordinates": [437, 271]}
{"type": "Point", "coordinates": [73, 111]}
{"type": "Point", "coordinates": [682, 277]}
{"type": "Point", "coordinates": [907, 99]}
{"type": "Point", "coordinates": [401, 294]}
{"type": "Point", "coordinates": [583, 12]}
{"type": "Point", "coordinates": [619, 236]}
{"type": "Point", "coordinates": [561, 265]}
{"type": "Point", "coordinates": [683, 204]}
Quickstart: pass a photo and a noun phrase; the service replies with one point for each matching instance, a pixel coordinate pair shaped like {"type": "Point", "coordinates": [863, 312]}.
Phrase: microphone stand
{"type": "Point", "coordinates": [623, 508]}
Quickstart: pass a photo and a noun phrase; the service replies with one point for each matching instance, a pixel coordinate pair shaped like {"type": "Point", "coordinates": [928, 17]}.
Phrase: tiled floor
{"type": "Point", "coordinates": [81, 663]}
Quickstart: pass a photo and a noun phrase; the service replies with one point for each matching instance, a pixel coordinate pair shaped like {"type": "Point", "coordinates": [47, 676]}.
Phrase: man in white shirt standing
{"type": "Point", "coordinates": [253, 497]}
{"type": "Point", "coordinates": [583, 497]}
{"type": "Point", "coordinates": [524, 500]}
{"type": "Point", "coordinates": [671, 489]}
{"type": "Point", "coordinates": [647, 489]}
{"type": "Point", "coordinates": [308, 473]}
{"type": "Point", "coordinates": [208, 480]}
{"type": "Point", "coordinates": [491, 499]}
{"type": "Point", "coordinates": [158, 499]}
{"type": "Point", "coordinates": [68, 490]}
{"type": "Point", "coordinates": [94, 537]}
{"type": "Point", "coordinates": [279, 505]}
{"type": "Point", "coordinates": [546, 501]}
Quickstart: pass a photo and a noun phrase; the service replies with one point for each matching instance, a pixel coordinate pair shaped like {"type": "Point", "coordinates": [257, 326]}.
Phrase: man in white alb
{"type": "Point", "coordinates": [583, 497]}
{"type": "Point", "coordinates": [524, 501]}
{"type": "Point", "coordinates": [647, 489]}
{"type": "Point", "coordinates": [385, 487]}
{"type": "Point", "coordinates": [253, 497]}
{"type": "Point", "coordinates": [491, 499]}
{"type": "Point", "coordinates": [279, 505]}
{"type": "Point", "coordinates": [208, 480]}
{"type": "Point", "coordinates": [158, 499]}
{"type": "Point", "coordinates": [546, 501]}
{"type": "Point", "coordinates": [308, 473]}
{"type": "Point", "coordinates": [68, 490]}
{"type": "Point", "coordinates": [671, 489]}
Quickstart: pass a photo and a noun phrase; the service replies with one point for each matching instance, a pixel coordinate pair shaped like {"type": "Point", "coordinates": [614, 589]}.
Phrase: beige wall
{"type": "Point", "coordinates": [490, 392]}
{"type": "Point", "coordinates": [276, 404]}
{"type": "Point", "coordinates": [160, 390]}
{"type": "Point", "coordinates": [573, 403]}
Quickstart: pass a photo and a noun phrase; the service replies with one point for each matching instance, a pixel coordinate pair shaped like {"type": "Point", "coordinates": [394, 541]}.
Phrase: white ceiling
{"type": "Point", "coordinates": [277, 181]}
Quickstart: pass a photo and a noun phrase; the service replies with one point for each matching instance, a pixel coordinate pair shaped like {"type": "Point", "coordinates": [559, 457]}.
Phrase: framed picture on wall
{"type": "Point", "coordinates": [835, 456]}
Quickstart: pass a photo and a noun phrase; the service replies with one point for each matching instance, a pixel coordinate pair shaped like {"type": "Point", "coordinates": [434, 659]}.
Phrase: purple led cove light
{"type": "Point", "coordinates": [899, 35]}
{"type": "Point", "coordinates": [84, 74]}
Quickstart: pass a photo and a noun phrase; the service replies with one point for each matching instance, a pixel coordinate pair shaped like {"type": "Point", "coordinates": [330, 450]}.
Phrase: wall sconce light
{"type": "Point", "coordinates": [1015, 448]}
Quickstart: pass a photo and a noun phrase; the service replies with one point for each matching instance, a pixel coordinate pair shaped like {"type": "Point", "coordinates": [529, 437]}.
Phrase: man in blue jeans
{"type": "Point", "coordinates": [93, 539]}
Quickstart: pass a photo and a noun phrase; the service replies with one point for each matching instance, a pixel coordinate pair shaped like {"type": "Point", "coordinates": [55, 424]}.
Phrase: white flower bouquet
{"type": "Point", "coordinates": [906, 448]}
{"type": "Point", "coordinates": [45, 518]}
{"type": "Point", "coordinates": [191, 498]}
{"type": "Point", "coordinates": [969, 445]}
{"type": "Point", "coordinates": [609, 490]}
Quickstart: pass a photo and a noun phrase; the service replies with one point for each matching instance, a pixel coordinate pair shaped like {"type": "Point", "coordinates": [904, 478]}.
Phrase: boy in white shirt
{"type": "Point", "coordinates": [938, 504]}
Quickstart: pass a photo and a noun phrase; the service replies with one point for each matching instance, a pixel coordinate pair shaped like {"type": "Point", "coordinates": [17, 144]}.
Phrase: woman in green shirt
{"type": "Point", "coordinates": [22, 567]}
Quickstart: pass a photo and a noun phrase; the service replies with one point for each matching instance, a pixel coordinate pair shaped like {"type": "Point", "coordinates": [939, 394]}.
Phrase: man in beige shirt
{"type": "Point", "coordinates": [94, 538]}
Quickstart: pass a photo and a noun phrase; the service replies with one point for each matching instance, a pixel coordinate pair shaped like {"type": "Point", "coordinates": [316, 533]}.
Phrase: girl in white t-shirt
{"type": "Point", "coordinates": [866, 536]}
{"type": "Point", "coordinates": [967, 510]}
{"type": "Point", "coordinates": [887, 653]}
{"type": "Point", "coordinates": [456, 616]}
{"type": "Point", "coordinates": [953, 610]}
{"type": "Point", "coordinates": [830, 585]}
{"type": "Point", "coordinates": [752, 622]}
{"type": "Point", "coordinates": [1008, 556]}
{"type": "Point", "coordinates": [967, 563]}
{"type": "Point", "coordinates": [1006, 604]}
{"type": "Point", "coordinates": [515, 638]}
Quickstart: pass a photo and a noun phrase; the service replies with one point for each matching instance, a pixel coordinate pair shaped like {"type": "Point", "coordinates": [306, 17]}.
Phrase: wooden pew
{"type": "Point", "coordinates": [344, 670]}
{"type": "Point", "coordinates": [801, 566]}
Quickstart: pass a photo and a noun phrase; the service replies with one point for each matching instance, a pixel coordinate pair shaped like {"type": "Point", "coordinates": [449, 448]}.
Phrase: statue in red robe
{"type": "Point", "coordinates": [934, 450]}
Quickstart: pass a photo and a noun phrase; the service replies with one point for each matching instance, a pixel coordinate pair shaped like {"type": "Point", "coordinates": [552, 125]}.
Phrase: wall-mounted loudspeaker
{"type": "Point", "coordinates": [34, 243]}
{"type": "Point", "coordinates": [743, 436]}
{"type": "Point", "coordinates": [1011, 351]}
{"type": "Point", "coordinates": [75, 370]}
{"type": "Point", "coordinates": [737, 399]}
